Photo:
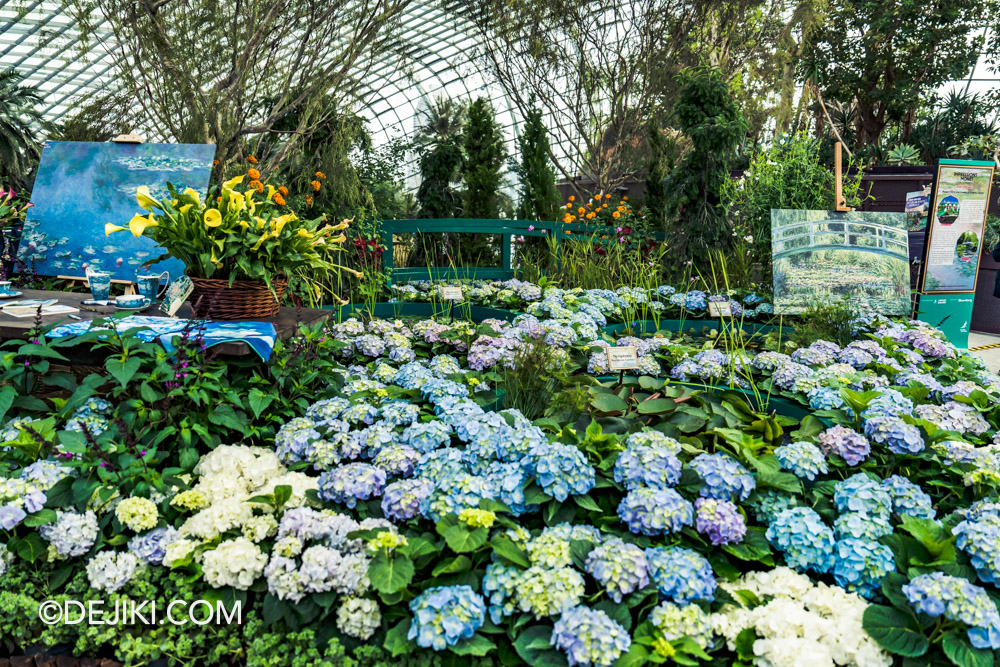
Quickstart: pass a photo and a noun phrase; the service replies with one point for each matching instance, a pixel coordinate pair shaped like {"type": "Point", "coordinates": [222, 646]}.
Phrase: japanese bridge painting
{"type": "Point", "coordinates": [81, 186]}
{"type": "Point", "coordinates": [861, 257]}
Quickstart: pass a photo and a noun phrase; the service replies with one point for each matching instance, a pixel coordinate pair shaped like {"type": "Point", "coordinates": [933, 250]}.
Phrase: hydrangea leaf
{"type": "Point", "coordinates": [958, 649]}
{"type": "Point", "coordinates": [895, 631]}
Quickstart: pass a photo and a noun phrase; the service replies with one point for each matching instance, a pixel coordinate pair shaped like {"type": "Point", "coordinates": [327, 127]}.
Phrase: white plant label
{"type": "Point", "coordinates": [622, 358]}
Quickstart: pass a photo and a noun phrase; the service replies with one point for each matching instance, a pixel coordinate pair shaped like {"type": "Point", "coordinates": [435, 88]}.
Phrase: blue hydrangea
{"type": "Point", "coordinates": [360, 413]}
{"type": "Point", "coordinates": [890, 403]}
{"type": "Point", "coordinates": [294, 440]}
{"type": "Point", "coordinates": [862, 526]}
{"type": "Point", "coordinates": [455, 492]}
{"type": "Point", "coordinates": [766, 504]}
{"type": "Point", "coordinates": [908, 499]}
{"type": "Point", "coordinates": [397, 460]}
{"type": "Point", "coordinates": [803, 459]}
{"type": "Point", "coordinates": [328, 409]}
{"type": "Point", "coordinates": [785, 375]}
{"type": "Point", "coordinates": [620, 567]}
{"type": "Point", "coordinates": [500, 585]}
{"type": "Point", "coordinates": [427, 436]}
{"type": "Point", "coordinates": [436, 389]}
{"type": "Point", "coordinates": [351, 483]}
{"type": "Point", "coordinates": [412, 375]}
{"type": "Point", "coordinates": [590, 637]}
{"type": "Point", "coordinates": [845, 443]}
{"type": "Point", "coordinates": [803, 539]}
{"type": "Point", "coordinates": [655, 511]}
{"type": "Point", "coordinates": [562, 470]}
{"type": "Point", "coordinates": [861, 565]}
{"type": "Point", "coordinates": [444, 615]}
{"type": "Point", "coordinates": [402, 499]}
{"type": "Point", "coordinates": [444, 364]}
{"type": "Point", "coordinates": [151, 547]}
{"type": "Point", "coordinates": [719, 520]}
{"type": "Point", "coordinates": [861, 493]}
{"type": "Point", "coordinates": [724, 478]}
{"type": "Point", "coordinates": [894, 433]}
{"type": "Point", "coordinates": [510, 479]}
{"type": "Point", "coordinates": [368, 441]}
{"type": "Point", "coordinates": [937, 594]}
{"type": "Point", "coordinates": [680, 574]}
{"type": "Point", "coordinates": [979, 537]}
{"type": "Point", "coordinates": [648, 461]}
{"type": "Point", "coordinates": [400, 413]}
{"type": "Point", "coordinates": [825, 398]}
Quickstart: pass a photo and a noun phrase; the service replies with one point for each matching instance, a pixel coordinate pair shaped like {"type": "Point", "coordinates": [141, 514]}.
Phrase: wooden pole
{"type": "Point", "coordinates": [838, 172]}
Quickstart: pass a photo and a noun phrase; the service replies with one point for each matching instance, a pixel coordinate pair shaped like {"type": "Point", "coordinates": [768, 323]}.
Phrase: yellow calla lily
{"type": "Point", "coordinates": [233, 182]}
{"type": "Point", "coordinates": [270, 192]}
{"type": "Point", "coordinates": [343, 224]}
{"type": "Point", "coordinates": [184, 209]}
{"type": "Point", "coordinates": [191, 192]}
{"type": "Point", "coordinates": [215, 260]}
{"type": "Point", "coordinates": [110, 229]}
{"type": "Point", "coordinates": [145, 200]}
{"type": "Point", "coordinates": [213, 218]}
{"type": "Point", "coordinates": [244, 224]}
{"type": "Point", "coordinates": [281, 221]}
{"type": "Point", "coordinates": [236, 201]}
{"type": "Point", "coordinates": [138, 224]}
{"type": "Point", "coordinates": [260, 223]}
{"type": "Point", "coordinates": [304, 233]}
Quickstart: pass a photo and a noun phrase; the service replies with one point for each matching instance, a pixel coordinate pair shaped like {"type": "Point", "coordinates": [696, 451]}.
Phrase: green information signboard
{"type": "Point", "coordinates": [951, 313]}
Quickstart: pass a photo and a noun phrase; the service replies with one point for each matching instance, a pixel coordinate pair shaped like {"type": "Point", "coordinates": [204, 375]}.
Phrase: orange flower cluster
{"type": "Point", "coordinates": [320, 174]}
{"type": "Point", "coordinates": [253, 174]}
{"type": "Point", "coordinates": [251, 159]}
{"type": "Point", "coordinates": [257, 186]}
{"type": "Point", "coordinates": [215, 163]}
{"type": "Point", "coordinates": [278, 199]}
{"type": "Point", "coordinates": [283, 190]}
{"type": "Point", "coordinates": [596, 208]}
{"type": "Point", "coordinates": [309, 200]}
{"type": "Point", "coordinates": [315, 185]}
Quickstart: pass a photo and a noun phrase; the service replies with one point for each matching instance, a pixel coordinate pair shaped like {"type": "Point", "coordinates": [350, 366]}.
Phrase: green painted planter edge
{"type": "Point", "coordinates": [646, 326]}
{"type": "Point", "coordinates": [391, 310]}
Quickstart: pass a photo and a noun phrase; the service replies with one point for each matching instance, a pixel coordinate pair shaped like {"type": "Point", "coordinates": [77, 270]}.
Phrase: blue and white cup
{"type": "Point", "coordinates": [131, 301]}
{"type": "Point", "coordinates": [100, 284]}
{"type": "Point", "coordinates": [4, 287]}
{"type": "Point", "coordinates": [152, 285]}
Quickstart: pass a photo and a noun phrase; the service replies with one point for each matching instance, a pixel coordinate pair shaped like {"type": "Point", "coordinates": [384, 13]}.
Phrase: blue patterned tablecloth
{"type": "Point", "coordinates": [260, 336]}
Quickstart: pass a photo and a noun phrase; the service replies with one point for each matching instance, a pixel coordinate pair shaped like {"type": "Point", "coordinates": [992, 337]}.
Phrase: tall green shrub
{"type": "Point", "coordinates": [439, 166]}
{"type": "Point", "coordinates": [707, 113]}
{"type": "Point", "coordinates": [539, 196]}
{"type": "Point", "coordinates": [661, 161]}
{"type": "Point", "coordinates": [483, 161]}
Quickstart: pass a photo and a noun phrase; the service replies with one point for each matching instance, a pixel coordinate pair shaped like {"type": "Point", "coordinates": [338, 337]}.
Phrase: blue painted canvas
{"type": "Point", "coordinates": [80, 186]}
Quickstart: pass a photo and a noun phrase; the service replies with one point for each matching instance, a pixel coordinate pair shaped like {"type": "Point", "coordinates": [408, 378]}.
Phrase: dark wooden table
{"type": "Point", "coordinates": [286, 321]}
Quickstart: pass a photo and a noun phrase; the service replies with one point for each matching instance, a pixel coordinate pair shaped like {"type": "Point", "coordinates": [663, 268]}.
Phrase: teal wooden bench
{"type": "Point", "coordinates": [505, 228]}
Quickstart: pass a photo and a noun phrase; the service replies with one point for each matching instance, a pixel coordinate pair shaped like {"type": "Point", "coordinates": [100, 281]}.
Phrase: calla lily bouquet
{"type": "Point", "coordinates": [240, 234]}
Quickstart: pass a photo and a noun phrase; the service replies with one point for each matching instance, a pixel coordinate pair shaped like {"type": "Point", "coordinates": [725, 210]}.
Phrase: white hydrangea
{"type": "Point", "coordinates": [72, 533]}
{"type": "Point", "coordinates": [300, 483]}
{"type": "Point", "coordinates": [178, 550]}
{"type": "Point", "coordinates": [217, 518]}
{"type": "Point", "coordinates": [110, 570]}
{"type": "Point", "coordinates": [284, 581]}
{"type": "Point", "coordinates": [235, 563]}
{"type": "Point", "coordinates": [235, 470]}
{"type": "Point", "coordinates": [259, 528]}
{"type": "Point", "coordinates": [359, 617]}
{"type": "Point", "coordinates": [137, 513]}
{"type": "Point", "coordinates": [324, 569]}
{"type": "Point", "coordinates": [802, 622]}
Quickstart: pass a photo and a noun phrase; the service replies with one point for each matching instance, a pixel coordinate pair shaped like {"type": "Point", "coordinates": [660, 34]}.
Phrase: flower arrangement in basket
{"type": "Point", "coordinates": [241, 246]}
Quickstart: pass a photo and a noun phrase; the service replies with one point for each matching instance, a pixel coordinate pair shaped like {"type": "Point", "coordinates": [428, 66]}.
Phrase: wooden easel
{"type": "Point", "coordinates": [838, 172]}
{"type": "Point", "coordinates": [129, 285]}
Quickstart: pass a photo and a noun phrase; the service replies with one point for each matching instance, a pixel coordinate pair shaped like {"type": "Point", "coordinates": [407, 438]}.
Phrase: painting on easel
{"type": "Point", "coordinates": [80, 186]}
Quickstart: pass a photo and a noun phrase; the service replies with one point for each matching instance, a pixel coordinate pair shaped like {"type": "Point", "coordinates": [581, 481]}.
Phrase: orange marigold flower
{"type": "Point", "coordinates": [278, 199]}
{"type": "Point", "coordinates": [597, 197]}
{"type": "Point", "coordinates": [309, 200]}
{"type": "Point", "coordinates": [253, 174]}
{"type": "Point", "coordinates": [616, 214]}
{"type": "Point", "coordinates": [251, 159]}
{"type": "Point", "coordinates": [215, 163]}
{"type": "Point", "coordinates": [572, 198]}
{"type": "Point", "coordinates": [569, 206]}
{"type": "Point", "coordinates": [316, 185]}
{"type": "Point", "coordinates": [625, 198]}
{"type": "Point", "coordinates": [581, 210]}
{"type": "Point", "coordinates": [257, 186]}
{"type": "Point", "coordinates": [604, 206]}
{"type": "Point", "coordinates": [283, 190]}
{"type": "Point", "coordinates": [218, 199]}
{"type": "Point", "coordinates": [320, 174]}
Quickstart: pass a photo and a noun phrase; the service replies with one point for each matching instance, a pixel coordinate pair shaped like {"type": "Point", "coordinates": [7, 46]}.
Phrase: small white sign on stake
{"type": "Point", "coordinates": [622, 358]}
{"type": "Point", "coordinates": [451, 293]}
{"type": "Point", "coordinates": [720, 309]}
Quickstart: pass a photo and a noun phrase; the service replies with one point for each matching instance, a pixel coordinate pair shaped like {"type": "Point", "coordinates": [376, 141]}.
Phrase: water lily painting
{"type": "Point", "coordinates": [81, 186]}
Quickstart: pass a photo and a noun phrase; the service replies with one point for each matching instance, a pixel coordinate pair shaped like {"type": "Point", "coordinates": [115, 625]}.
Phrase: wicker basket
{"type": "Point", "coordinates": [244, 300]}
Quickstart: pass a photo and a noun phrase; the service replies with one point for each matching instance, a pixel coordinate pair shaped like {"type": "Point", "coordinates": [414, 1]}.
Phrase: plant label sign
{"type": "Point", "coordinates": [720, 309]}
{"type": "Point", "coordinates": [622, 358]}
{"type": "Point", "coordinates": [451, 293]}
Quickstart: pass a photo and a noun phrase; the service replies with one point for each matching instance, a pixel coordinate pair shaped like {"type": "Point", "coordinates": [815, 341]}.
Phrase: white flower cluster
{"type": "Point", "coordinates": [72, 533]}
{"type": "Point", "coordinates": [802, 623]}
{"type": "Point", "coordinates": [6, 558]}
{"type": "Point", "coordinates": [228, 477]}
{"type": "Point", "coordinates": [235, 563]}
{"type": "Point", "coordinates": [110, 570]}
{"type": "Point", "coordinates": [359, 617]}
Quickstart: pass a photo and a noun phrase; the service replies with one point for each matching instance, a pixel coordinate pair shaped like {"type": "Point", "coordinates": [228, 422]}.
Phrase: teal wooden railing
{"type": "Point", "coordinates": [507, 229]}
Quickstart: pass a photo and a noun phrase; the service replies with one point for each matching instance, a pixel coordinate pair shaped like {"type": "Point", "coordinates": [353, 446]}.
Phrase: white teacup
{"type": "Point", "coordinates": [130, 300]}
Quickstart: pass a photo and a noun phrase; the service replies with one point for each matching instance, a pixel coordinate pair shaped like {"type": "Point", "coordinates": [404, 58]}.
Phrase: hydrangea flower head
{"type": "Point", "coordinates": [937, 594]}
{"type": "Point", "coordinates": [619, 566]}
{"type": "Point", "coordinates": [675, 621]}
{"type": "Point", "coordinates": [590, 637]}
{"type": "Point", "coordinates": [444, 615]}
{"type": "Point", "coordinates": [562, 470]}
{"type": "Point", "coordinates": [719, 520]}
{"type": "Point", "coordinates": [724, 478]}
{"type": "Point", "coordinates": [802, 459]}
{"type": "Point", "coordinates": [648, 461]}
{"type": "Point", "coordinates": [803, 539]}
{"type": "Point", "coordinates": [861, 564]}
{"type": "Point", "coordinates": [681, 574]}
{"type": "Point", "coordinates": [894, 433]}
{"type": "Point", "coordinates": [861, 493]}
{"type": "Point", "coordinates": [655, 511]}
{"type": "Point", "coordinates": [351, 483]}
{"type": "Point", "coordinates": [845, 443]}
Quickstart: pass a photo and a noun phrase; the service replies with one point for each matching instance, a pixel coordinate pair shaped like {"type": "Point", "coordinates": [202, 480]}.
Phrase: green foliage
{"type": "Point", "coordinates": [535, 374]}
{"type": "Point", "coordinates": [661, 162]}
{"type": "Point", "coordinates": [882, 58]}
{"type": "Point", "coordinates": [786, 175]}
{"type": "Point", "coordinates": [483, 159]}
{"type": "Point", "coordinates": [948, 122]}
{"type": "Point", "coordinates": [439, 166]}
{"type": "Point", "coordinates": [380, 169]}
{"type": "Point", "coordinates": [696, 214]}
{"type": "Point", "coordinates": [832, 321]}
{"type": "Point", "coordinates": [539, 196]}
{"type": "Point", "coordinates": [20, 125]}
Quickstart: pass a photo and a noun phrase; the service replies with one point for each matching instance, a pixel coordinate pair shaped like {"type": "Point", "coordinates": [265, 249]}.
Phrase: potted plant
{"type": "Point", "coordinates": [241, 246]}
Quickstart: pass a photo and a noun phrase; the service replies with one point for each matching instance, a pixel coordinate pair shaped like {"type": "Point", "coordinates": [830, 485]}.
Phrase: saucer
{"type": "Point", "coordinates": [10, 295]}
{"type": "Point", "coordinates": [146, 303]}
